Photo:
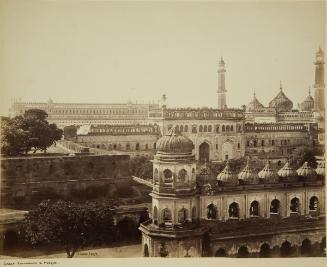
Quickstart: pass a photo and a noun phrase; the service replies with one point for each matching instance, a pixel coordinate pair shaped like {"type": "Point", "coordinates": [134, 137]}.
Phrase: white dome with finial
{"type": "Point", "coordinates": [287, 171]}
{"type": "Point", "coordinates": [226, 176]}
{"type": "Point", "coordinates": [306, 171]}
{"type": "Point", "coordinates": [247, 175]}
{"type": "Point", "coordinates": [308, 103]}
{"type": "Point", "coordinates": [281, 102]}
{"type": "Point", "coordinates": [320, 170]}
{"type": "Point", "coordinates": [174, 142]}
{"type": "Point", "coordinates": [254, 104]}
{"type": "Point", "coordinates": [268, 174]}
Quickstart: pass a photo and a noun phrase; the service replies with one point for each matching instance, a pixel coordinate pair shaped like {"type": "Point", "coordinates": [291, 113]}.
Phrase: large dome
{"type": "Point", "coordinates": [281, 102]}
{"type": "Point", "coordinates": [173, 142]}
{"type": "Point", "coordinates": [254, 105]}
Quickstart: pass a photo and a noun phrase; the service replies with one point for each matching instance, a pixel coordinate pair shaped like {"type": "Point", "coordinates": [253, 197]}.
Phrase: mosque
{"type": "Point", "coordinates": [218, 134]}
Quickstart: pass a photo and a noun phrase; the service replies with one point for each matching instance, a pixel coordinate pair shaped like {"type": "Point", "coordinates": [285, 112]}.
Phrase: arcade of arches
{"type": "Point", "coordinates": [304, 247]}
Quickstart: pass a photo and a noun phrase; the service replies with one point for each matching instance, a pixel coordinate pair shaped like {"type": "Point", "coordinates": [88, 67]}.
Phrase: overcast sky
{"type": "Point", "coordinates": [114, 52]}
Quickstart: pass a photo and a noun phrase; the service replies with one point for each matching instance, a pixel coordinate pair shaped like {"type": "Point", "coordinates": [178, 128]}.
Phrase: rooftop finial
{"type": "Point", "coordinates": [280, 85]}
{"type": "Point", "coordinates": [253, 93]}
{"type": "Point", "coordinates": [309, 90]}
{"type": "Point", "coordinates": [221, 62]}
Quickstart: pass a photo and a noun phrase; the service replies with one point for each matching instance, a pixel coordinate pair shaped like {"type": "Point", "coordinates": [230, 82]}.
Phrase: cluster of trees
{"type": "Point", "coordinates": [21, 134]}
{"type": "Point", "coordinates": [70, 226]}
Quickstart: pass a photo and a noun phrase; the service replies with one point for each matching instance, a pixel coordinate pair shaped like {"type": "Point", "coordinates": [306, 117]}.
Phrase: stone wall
{"type": "Point", "coordinates": [24, 178]}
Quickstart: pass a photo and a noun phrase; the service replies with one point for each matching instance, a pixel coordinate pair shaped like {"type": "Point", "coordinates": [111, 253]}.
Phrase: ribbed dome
{"type": "Point", "coordinates": [287, 171]}
{"type": "Point", "coordinates": [227, 176]}
{"type": "Point", "coordinates": [268, 174]}
{"type": "Point", "coordinates": [281, 102]}
{"type": "Point", "coordinates": [308, 103]}
{"type": "Point", "coordinates": [306, 171]}
{"type": "Point", "coordinates": [174, 142]}
{"type": "Point", "coordinates": [321, 168]}
{"type": "Point", "coordinates": [254, 105]}
{"type": "Point", "coordinates": [247, 175]}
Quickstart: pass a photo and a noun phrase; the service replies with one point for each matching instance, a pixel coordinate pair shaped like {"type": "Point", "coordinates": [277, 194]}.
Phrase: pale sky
{"type": "Point", "coordinates": [112, 52]}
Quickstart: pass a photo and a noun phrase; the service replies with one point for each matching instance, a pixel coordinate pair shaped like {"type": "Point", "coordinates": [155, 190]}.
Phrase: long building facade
{"type": "Point", "coordinates": [217, 133]}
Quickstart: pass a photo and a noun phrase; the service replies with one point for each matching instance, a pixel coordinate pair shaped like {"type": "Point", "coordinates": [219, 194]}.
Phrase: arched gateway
{"type": "Point", "coordinates": [204, 152]}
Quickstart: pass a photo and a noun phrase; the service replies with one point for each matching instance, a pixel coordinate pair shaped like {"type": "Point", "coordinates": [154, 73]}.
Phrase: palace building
{"type": "Point", "coordinates": [221, 133]}
{"type": "Point", "coordinates": [246, 214]}
{"type": "Point", "coordinates": [66, 114]}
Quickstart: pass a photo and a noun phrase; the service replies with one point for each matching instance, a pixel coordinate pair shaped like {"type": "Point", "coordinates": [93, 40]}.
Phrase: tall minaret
{"type": "Point", "coordinates": [319, 103]}
{"type": "Point", "coordinates": [319, 82]}
{"type": "Point", "coordinates": [221, 85]}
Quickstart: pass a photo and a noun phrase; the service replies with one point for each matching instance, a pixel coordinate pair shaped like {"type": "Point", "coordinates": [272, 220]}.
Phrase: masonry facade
{"type": "Point", "coordinates": [190, 219]}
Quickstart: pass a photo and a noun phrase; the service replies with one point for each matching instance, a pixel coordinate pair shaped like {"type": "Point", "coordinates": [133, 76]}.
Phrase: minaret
{"type": "Point", "coordinates": [221, 85]}
{"type": "Point", "coordinates": [319, 103]}
{"type": "Point", "coordinates": [319, 82]}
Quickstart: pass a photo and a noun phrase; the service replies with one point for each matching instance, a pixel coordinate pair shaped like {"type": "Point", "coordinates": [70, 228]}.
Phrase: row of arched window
{"type": "Point", "coordinates": [127, 147]}
{"type": "Point", "coordinates": [207, 128]}
{"type": "Point", "coordinates": [202, 114]}
{"type": "Point", "coordinates": [122, 130]}
{"type": "Point", "coordinates": [254, 210]}
{"type": "Point", "coordinates": [100, 111]}
{"type": "Point", "coordinates": [270, 128]}
{"type": "Point", "coordinates": [166, 215]}
{"type": "Point", "coordinates": [268, 142]}
{"type": "Point", "coordinates": [286, 249]}
{"type": "Point", "coordinates": [168, 175]}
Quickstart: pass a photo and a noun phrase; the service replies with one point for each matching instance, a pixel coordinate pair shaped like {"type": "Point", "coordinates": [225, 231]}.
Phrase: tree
{"type": "Point", "coordinates": [69, 225]}
{"type": "Point", "coordinates": [14, 138]}
{"type": "Point", "coordinates": [22, 133]}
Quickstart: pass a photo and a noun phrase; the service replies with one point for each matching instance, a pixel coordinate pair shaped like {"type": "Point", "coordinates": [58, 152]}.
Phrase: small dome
{"type": "Point", "coordinates": [281, 102]}
{"type": "Point", "coordinates": [287, 171]}
{"type": "Point", "coordinates": [227, 176]}
{"type": "Point", "coordinates": [267, 173]}
{"type": "Point", "coordinates": [174, 142]}
{"type": "Point", "coordinates": [247, 175]}
{"type": "Point", "coordinates": [308, 103]}
{"type": "Point", "coordinates": [254, 105]}
{"type": "Point", "coordinates": [306, 171]}
{"type": "Point", "coordinates": [321, 168]}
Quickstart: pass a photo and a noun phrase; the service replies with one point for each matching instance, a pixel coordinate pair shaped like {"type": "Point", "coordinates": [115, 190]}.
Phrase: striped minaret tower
{"type": "Point", "coordinates": [319, 95]}
{"type": "Point", "coordinates": [319, 81]}
{"type": "Point", "coordinates": [221, 85]}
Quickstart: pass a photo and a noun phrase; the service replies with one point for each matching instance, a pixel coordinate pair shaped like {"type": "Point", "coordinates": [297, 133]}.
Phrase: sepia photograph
{"type": "Point", "coordinates": [167, 129]}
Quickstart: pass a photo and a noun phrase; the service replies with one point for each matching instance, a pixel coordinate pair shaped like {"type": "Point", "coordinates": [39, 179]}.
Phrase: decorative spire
{"type": "Point", "coordinates": [253, 93]}
{"type": "Point", "coordinates": [280, 85]}
{"type": "Point", "coordinates": [309, 90]}
{"type": "Point", "coordinates": [221, 62]}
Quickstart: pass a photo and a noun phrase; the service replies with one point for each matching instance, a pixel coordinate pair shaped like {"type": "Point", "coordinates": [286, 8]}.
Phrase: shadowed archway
{"type": "Point", "coordinates": [286, 249]}
{"type": "Point", "coordinates": [264, 250]}
{"type": "Point", "coordinates": [204, 152]}
{"type": "Point", "coordinates": [243, 252]}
